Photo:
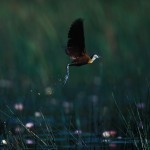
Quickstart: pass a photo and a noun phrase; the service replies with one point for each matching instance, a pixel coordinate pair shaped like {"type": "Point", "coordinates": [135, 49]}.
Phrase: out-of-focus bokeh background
{"type": "Point", "coordinates": [33, 37]}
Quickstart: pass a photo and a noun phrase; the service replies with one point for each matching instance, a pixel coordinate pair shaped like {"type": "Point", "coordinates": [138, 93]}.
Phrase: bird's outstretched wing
{"type": "Point", "coordinates": [76, 44]}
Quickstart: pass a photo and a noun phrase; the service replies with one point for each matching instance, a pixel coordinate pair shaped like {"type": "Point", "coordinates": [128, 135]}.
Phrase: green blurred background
{"type": "Point", "coordinates": [33, 37]}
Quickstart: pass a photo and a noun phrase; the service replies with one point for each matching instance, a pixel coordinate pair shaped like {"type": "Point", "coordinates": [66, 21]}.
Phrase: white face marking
{"type": "Point", "coordinates": [95, 57]}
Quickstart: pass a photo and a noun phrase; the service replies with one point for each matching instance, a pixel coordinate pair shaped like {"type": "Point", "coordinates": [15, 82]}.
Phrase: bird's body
{"type": "Point", "coordinates": [79, 61]}
{"type": "Point", "coordinates": [76, 45]}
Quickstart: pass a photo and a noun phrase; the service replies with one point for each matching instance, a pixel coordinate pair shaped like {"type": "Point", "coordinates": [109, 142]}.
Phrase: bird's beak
{"type": "Point", "coordinates": [99, 57]}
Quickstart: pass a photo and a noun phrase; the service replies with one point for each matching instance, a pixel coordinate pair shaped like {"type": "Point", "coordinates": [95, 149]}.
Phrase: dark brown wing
{"type": "Point", "coordinates": [76, 44]}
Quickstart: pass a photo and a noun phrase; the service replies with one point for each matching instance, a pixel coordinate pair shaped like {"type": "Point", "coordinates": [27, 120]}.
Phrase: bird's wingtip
{"type": "Point", "coordinates": [79, 19]}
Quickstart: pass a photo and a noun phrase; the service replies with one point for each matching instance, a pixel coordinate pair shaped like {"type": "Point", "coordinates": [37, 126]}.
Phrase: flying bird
{"type": "Point", "coordinates": [76, 47]}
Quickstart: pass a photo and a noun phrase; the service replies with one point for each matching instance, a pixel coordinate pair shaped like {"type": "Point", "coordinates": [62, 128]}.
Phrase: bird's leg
{"type": "Point", "coordinates": [67, 75]}
{"type": "Point", "coordinates": [73, 63]}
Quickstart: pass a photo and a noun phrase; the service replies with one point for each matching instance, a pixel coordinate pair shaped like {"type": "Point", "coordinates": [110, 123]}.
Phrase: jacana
{"type": "Point", "coordinates": [76, 45]}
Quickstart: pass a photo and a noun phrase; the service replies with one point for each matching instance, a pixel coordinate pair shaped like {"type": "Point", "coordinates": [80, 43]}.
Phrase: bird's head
{"type": "Point", "coordinates": [93, 57]}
